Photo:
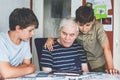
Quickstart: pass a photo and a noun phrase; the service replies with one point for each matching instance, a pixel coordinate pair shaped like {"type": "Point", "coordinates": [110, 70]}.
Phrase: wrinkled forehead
{"type": "Point", "coordinates": [69, 29]}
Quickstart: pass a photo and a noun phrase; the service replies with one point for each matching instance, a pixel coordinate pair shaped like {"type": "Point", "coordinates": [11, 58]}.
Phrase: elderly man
{"type": "Point", "coordinates": [68, 55]}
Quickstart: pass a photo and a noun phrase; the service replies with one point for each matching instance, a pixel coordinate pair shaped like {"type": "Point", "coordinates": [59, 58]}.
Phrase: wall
{"type": "Point", "coordinates": [75, 4]}
{"type": "Point", "coordinates": [38, 10]}
{"type": "Point", "coordinates": [54, 11]}
{"type": "Point", "coordinates": [116, 40]}
{"type": "Point", "coordinates": [6, 7]}
{"type": "Point", "coordinates": [50, 24]}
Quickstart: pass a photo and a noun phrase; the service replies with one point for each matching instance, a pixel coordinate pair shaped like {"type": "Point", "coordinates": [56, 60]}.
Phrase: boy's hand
{"type": "Point", "coordinates": [49, 43]}
{"type": "Point", "coordinates": [112, 71]}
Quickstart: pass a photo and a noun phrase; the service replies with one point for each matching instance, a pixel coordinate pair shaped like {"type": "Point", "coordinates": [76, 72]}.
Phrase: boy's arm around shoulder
{"type": "Point", "coordinates": [8, 71]}
{"type": "Point", "coordinates": [49, 43]}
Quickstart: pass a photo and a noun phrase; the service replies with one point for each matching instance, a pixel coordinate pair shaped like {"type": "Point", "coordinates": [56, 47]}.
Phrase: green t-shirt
{"type": "Point", "coordinates": [92, 43]}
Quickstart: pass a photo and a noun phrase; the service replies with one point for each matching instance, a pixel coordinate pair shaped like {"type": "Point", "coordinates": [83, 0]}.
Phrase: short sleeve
{"type": "Point", "coordinates": [3, 51]}
{"type": "Point", "coordinates": [102, 36]}
{"type": "Point", "coordinates": [28, 53]}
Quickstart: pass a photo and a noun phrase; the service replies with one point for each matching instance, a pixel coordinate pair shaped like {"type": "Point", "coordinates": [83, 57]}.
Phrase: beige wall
{"type": "Point", "coordinates": [6, 7]}
{"type": "Point", "coordinates": [116, 40]}
{"type": "Point", "coordinates": [38, 10]}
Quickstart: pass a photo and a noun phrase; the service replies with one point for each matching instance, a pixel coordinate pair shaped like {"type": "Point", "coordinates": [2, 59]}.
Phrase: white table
{"type": "Point", "coordinates": [85, 76]}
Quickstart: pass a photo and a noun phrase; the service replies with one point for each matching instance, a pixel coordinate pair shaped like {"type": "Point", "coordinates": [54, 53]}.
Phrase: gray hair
{"type": "Point", "coordinates": [68, 23]}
